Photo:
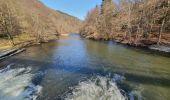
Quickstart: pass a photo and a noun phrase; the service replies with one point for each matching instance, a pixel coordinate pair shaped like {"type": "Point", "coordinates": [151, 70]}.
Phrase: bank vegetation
{"type": "Point", "coordinates": [30, 21]}
{"type": "Point", "coordinates": [134, 22]}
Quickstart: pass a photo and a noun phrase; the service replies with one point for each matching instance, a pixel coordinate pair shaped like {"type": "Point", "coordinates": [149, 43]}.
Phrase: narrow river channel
{"type": "Point", "coordinates": [73, 68]}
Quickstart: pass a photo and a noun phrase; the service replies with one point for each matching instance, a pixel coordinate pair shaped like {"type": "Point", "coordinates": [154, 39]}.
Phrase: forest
{"type": "Point", "coordinates": [134, 22]}
{"type": "Point", "coordinates": [30, 21]}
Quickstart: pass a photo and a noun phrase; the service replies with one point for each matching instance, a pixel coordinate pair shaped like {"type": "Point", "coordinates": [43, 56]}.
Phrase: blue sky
{"type": "Point", "coordinates": [77, 8]}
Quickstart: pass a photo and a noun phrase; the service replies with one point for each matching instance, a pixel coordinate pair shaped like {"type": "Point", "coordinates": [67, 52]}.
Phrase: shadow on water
{"type": "Point", "coordinates": [139, 49]}
{"type": "Point", "coordinates": [152, 80]}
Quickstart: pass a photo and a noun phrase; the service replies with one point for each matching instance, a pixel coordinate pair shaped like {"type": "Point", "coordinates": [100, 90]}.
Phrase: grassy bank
{"type": "Point", "coordinates": [21, 40]}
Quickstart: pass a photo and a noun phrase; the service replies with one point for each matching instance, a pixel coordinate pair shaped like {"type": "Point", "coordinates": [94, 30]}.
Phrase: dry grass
{"type": "Point", "coordinates": [22, 39]}
{"type": "Point", "coordinates": [29, 12]}
{"type": "Point", "coordinates": [4, 44]}
{"type": "Point", "coordinates": [18, 40]}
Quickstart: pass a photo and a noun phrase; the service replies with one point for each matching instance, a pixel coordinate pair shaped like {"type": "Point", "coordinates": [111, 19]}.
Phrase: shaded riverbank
{"type": "Point", "coordinates": [7, 50]}
{"type": "Point", "coordinates": [162, 49]}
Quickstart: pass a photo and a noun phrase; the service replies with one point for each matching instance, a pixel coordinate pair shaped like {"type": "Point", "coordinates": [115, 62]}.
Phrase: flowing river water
{"type": "Point", "coordinates": [73, 68]}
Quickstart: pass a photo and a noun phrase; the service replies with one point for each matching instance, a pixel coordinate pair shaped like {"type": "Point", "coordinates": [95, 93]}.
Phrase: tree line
{"type": "Point", "coordinates": [10, 23]}
{"type": "Point", "coordinates": [31, 21]}
{"type": "Point", "coordinates": [135, 22]}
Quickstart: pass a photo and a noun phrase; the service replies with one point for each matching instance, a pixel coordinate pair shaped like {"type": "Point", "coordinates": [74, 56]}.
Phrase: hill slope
{"type": "Point", "coordinates": [30, 12]}
{"type": "Point", "coordinates": [30, 21]}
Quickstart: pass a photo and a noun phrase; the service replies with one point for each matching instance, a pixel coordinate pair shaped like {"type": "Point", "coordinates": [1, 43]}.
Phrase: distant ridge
{"type": "Point", "coordinates": [68, 14]}
{"type": "Point", "coordinates": [30, 11]}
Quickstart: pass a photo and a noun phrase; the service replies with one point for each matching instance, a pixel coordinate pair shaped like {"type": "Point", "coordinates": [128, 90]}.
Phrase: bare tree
{"type": "Point", "coordinates": [108, 9]}
{"type": "Point", "coordinates": [8, 21]}
{"type": "Point", "coordinates": [91, 23]}
{"type": "Point", "coordinates": [165, 9]}
{"type": "Point", "coordinates": [134, 21]}
{"type": "Point", "coordinates": [38, 29]}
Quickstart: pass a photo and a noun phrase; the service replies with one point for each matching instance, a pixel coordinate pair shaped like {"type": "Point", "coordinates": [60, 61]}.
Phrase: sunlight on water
{"type": "Point", "coordinates": [15, 84]}
{"type": "Point", "coordinates": [100, 88]}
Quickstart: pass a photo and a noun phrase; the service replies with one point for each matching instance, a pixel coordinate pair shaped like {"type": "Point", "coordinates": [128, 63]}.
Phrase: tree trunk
{"type": "Point", "coordinates": [162, 25]}
{"type": "Point", "coordinates": [10, 39]}
{"type": "Point", "coordinates": [129, 25]}
{"type": "Point", "coordinates": [160, 32]}
{"type": "Point", "coordinates": [9, 35]}
{"type": "Point", "coordinates": [136, 36]}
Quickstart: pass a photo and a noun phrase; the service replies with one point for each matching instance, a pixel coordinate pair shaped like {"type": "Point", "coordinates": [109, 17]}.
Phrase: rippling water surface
{"type": "Point", "coordinates": [73, 68]}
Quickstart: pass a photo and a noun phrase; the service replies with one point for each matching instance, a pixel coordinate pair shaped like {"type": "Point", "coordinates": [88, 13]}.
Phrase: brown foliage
{"type": "Point", "coordinates": [35, 19]}
{"type": "Point", "coordinates": [134, 21]}
{"type": "Point", "coordinates": [9, 25]}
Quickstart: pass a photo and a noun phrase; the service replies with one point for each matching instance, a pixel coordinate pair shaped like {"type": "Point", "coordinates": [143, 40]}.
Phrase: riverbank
{"type": "Point", "coordinates": [151, 45]}
{"type": "Point", "coordinates": [23, 39]}
{"type": "Point", "coordinates": [21, 43]}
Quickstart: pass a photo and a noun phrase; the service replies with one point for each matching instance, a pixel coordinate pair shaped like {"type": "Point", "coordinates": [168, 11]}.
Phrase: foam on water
{"type": "Point", "coordinates": [15, 84]}
{"type": "Point", "coordinates": [99, 88]}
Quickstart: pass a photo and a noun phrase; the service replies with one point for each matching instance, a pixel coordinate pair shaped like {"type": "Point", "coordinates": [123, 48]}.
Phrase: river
{"type": "Point", "coordinates": [73, 68]}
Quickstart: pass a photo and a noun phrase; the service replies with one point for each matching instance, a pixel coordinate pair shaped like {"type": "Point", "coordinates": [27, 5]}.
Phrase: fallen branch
{"type": "Point", "coordinates": [11, 53]}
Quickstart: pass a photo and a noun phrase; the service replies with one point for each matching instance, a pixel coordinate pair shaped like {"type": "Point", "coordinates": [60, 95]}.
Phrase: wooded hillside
{"type": "Point", "coordinates": [33, 20]}
{"type": "Point", "coordinates": [136, 22]}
